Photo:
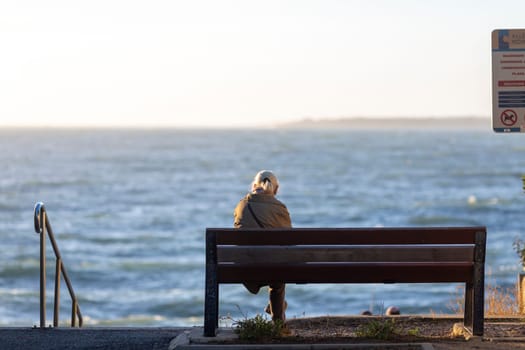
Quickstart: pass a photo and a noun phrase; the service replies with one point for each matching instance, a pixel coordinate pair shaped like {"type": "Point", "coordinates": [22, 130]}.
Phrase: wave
{"type": "Point", "coordinates": [21, 269]}
{"type": "Point", "coordinates": [129, 320]}
{"type": "Point", "coordinates": [18, 292]}
{"type": "Point", "coordinates": [443, 220]}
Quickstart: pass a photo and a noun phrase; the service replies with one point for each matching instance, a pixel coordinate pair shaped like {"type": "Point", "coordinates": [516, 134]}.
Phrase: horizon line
{"type": "Point", "coordinates": [284, 124]}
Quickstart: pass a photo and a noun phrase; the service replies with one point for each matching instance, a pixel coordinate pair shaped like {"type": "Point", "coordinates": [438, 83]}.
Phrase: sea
{"type": "Point", "coordinates": [129, 209]}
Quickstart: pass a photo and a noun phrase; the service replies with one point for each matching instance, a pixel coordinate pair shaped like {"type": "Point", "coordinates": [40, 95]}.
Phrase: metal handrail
{"type": "Point", "coordinates": [42, 226]}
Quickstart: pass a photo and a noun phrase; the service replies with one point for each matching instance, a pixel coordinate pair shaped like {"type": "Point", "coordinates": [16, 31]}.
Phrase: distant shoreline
{"type": "Point", "coordinates": [394, 123]}
{"type": "Point", "coordinates": [358, 123]}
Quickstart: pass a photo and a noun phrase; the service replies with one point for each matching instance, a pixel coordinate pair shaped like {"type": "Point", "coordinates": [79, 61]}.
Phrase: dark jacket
{"type": "Point", "coordinates": [270, 212]}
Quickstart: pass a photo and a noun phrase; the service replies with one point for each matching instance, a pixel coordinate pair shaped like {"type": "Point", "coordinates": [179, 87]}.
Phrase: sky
{"type": "Point", "coordinates": [213, 63]}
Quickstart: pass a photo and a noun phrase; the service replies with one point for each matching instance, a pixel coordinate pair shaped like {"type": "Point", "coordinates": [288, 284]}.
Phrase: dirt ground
{"type": "Point", "coordinates": [440, 331]}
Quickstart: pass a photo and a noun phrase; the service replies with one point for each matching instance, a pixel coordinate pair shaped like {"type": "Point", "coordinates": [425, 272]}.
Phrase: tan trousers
{"type": "Point", "coordinates": [277, 305]}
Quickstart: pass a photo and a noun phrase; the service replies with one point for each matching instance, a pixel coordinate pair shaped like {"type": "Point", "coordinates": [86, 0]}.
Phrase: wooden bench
{"type": "Point", "coordinates": [347, 255]}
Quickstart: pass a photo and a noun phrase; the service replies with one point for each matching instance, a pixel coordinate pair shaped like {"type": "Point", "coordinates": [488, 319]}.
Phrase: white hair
{"type": "Point", "coordinates": [266, 182]}
{"type": "Point", "coordinates": [266, 185]}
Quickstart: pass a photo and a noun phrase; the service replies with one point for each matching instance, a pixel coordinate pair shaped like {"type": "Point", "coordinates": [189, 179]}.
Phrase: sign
{"type": "Point", "coordinates": [508, 80]}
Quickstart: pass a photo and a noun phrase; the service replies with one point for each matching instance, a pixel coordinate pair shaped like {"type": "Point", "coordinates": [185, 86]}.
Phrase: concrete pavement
{"type": "Point", "coordinates": [21, 338]}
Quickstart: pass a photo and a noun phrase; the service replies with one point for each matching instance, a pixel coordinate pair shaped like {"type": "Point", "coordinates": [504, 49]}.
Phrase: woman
{"type": "Point", "coordinates": [260, 209]}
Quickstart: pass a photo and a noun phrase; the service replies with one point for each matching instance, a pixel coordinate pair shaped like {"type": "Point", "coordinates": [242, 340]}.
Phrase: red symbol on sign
{"type": "Point", "coordinates": [509, 117]}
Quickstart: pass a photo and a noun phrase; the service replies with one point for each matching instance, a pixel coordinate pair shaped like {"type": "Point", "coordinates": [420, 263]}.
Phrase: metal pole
{"type": "Point", "coordinates": [74, 308]}
{"type": "Point", "coordinates": [57, 292]}
{"type": "Point", "coordinates": [42, 270]}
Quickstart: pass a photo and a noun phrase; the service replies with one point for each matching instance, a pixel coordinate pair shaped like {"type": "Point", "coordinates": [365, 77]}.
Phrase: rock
{"type": "Point", "coordinates": [393, 310]}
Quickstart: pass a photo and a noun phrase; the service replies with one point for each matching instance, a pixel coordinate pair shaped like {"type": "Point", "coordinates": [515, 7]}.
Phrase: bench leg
{"type": "Point", "coordinates": [478, 307]}
{"type": "Point", "coordinates": [469, 307]}
{"type": "Point", "coordinates": [475, 304]}
{"type": "Point", "coordinates": [211, 306]}
{"type": "Point", "coordinates": [211, 296]}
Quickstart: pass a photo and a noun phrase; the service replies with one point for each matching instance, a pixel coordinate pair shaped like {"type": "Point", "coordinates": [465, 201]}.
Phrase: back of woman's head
{"type": "Point", "coordinates": [266, 182]}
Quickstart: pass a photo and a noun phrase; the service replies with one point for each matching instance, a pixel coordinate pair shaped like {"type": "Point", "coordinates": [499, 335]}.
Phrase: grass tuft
{"type": "Point", "coordinates": [498, 301]}
{"type": "Point", "coordinates": [378, 329]}
{"type": "Point", "coordinates": [258, 329]}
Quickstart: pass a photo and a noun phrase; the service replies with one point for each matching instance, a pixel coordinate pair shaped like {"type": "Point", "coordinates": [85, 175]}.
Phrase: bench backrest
{"type": "Point", "coordinates": [346, 255]}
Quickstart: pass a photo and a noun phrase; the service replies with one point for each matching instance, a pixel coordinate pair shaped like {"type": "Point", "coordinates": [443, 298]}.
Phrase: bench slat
{"type": "Point", "coordinates": [383, 235]}
{"type": "Point", "coordinates": [347, 273]}
{"type": "Point", "coordinates": [363, 253]}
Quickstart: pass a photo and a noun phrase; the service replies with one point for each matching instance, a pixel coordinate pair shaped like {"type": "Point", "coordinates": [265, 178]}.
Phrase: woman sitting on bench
{"type": "Point", "coordinates": [260, 208]}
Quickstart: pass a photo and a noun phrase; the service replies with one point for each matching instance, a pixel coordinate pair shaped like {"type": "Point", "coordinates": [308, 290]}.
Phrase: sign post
{"type": "Point", "coordinates": [508, 80]}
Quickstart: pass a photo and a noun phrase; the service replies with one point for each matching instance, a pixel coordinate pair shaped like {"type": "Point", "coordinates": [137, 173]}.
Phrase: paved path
{"type": "Point", "coordinates": [87, 338]}
{"type": "Point", "coordinates": [153, 339]}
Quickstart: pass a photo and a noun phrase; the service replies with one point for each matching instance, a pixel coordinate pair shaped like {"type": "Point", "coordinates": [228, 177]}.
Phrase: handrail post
{"type": "Point", "coordinates": [74, 308]}
{"type": "Point", "coordinates": [57, 291]}
{"type": "Point", "coordinates": [42, 271]}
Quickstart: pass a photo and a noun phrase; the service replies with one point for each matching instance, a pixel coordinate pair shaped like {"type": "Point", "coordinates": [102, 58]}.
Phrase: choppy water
{"type": "Point", "coordinates": [129, 209]}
